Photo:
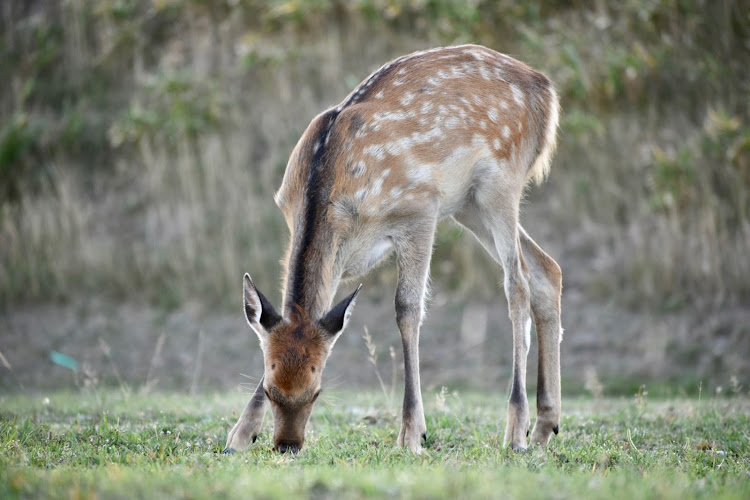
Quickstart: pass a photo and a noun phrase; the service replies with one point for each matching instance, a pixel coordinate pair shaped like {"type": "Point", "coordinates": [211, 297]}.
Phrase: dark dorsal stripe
{"type": "Point", "coordinates": [367, 87]}
{"type": "Point", "coordinates": [318, 187]}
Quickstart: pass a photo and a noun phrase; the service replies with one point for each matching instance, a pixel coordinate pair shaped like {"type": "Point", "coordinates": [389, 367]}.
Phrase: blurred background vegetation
{"type": "Point", "coordinates": [141, 142]}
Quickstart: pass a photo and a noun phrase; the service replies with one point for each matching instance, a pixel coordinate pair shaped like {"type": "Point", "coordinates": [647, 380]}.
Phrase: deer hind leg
{"type": "Point", "coordinates": [247, 428]}
{"type": "Point", "coordinates": [546, 288]}
{"type": "Point", "coordinates": [414, 252]}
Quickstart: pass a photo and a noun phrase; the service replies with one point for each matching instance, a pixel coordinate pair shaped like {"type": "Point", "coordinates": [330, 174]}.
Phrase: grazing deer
{"type": "Point", "coordinates": [450, 132]}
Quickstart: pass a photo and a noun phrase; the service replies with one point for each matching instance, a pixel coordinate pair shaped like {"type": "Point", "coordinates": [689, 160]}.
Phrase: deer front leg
{"type": "Point", "coordinates": [247, 428]}
{"type": "Point", "coordinates": [413, 269]}
{"type": "Point", "coordinates": [413, 427]}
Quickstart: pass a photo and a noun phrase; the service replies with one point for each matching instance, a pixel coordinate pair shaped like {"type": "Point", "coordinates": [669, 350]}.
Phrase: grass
{"type": "Point", "coordinates": [106, 444]}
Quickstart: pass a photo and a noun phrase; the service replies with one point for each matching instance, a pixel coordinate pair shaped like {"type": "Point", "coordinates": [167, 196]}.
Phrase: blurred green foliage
{"type": "Point", "coordinates": [172, 106]}
{"type": "Point", "coordinates": [656, 123]}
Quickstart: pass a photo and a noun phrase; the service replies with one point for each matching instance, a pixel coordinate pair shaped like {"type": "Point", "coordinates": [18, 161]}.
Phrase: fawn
{"type": "Point", "coordinates": [450, 132]}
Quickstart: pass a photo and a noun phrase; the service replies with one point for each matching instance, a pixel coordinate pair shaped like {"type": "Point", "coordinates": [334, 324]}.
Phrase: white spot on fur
{"type": "Point", "coordinates": [377, 186]}
{"type": "Point", "coordinates": [517, 94]}
{"type": "Point", "coordinates": [503, 104]}
{"type": "Point", "coordinates": [375, 150]}
{"type": "Point", "coordinates": [398, 147]}
{"type": "Point", "coordinates": [478, 141]}
{"type": "Point", "coordinates": [379, 95]}
{"type": "Point", "coordinates": [470, 70]}
{"type": "Point", "coordinates": [506, 131]}
{"type": "Point", "coordinates": [359, 168]}
{"type": "Point", "coordinates": [452, 122]}
{"type": "Point", "coordinates": [391, 116]}
{"type": "Point", "coordinates": [483, 124]}
{"type": "Point", "coordinates": [476, 54]}
{"type": "Point", "coordinates": [407, 99]}
{"type": "Point", "coordinates": [496, 143]}
{"type": "Point", "coordinates": [477, 100]}
{"type": "Point", "coordinates": [493, 115]}
{"type": "Point", "coordinates": [421, 138]}
{"type": "Point", "coordinates": [398, 82]}
{"type": "Point", "coordinates": [484, 73]}
{"type": "Point", "coordinates": [360, 194]}
{"type": "Point", "coordinates": [426, 107]}
{"type": "Point", "coordinates": [419, 173]}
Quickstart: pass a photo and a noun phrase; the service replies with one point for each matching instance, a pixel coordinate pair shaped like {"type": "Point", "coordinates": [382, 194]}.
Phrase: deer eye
{"type": "Point", "coordinates": [267, 395]}
{"type": "Point", "coordinates": [316, 396]}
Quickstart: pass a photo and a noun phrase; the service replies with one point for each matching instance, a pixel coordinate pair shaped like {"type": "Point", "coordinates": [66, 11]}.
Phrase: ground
{"type": "Point", "coordinates": [110, 443]}
{"type": "Point", "coordinates": [196, 345]}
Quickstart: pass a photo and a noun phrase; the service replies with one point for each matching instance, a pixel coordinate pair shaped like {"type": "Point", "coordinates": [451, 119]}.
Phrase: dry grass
{"type": "Point", "coordinates": [648, 194]}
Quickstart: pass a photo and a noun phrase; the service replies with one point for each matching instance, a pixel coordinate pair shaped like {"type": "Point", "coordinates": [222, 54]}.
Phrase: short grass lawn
{"type": "Point", "coordinates": [106, 443]}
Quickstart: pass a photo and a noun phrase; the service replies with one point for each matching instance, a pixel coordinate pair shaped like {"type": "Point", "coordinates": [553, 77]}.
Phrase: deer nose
{"type": "Point", "coordinates": [290, 447]}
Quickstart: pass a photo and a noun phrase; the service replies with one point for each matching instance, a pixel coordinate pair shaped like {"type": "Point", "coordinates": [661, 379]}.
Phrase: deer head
{"type": "Point", "coordinates": [295, 351]}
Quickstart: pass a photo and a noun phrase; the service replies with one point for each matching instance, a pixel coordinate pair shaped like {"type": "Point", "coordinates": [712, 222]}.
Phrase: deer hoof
{"type": "Point", "coordinates": [411, 438]}
{"type": "Point", "coordinates": [543, 433]}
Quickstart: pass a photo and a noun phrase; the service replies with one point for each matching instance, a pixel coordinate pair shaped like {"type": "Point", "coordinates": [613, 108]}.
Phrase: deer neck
{"type": "Point", "coordinates": [311, 276]}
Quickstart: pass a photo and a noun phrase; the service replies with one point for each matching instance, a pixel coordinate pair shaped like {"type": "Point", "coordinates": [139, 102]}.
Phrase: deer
{"type": "Point", "coordinates": [454, 132]}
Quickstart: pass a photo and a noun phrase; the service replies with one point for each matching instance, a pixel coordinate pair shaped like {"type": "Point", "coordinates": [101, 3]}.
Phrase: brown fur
{"type": "Point", "coordinates": [295, 354]}
{"type": "Point", "coordinates": [452, 132]}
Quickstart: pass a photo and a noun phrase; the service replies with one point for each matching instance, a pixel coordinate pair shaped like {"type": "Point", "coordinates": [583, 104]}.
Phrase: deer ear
{"type": "Point", "coordinates": [260, 314]}
{"type": "Point", "coordinates": [335, 321]}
